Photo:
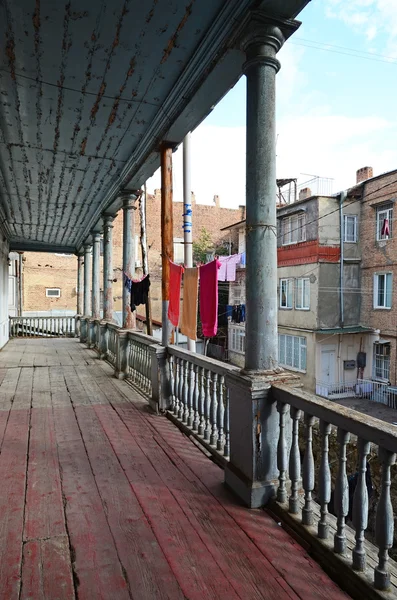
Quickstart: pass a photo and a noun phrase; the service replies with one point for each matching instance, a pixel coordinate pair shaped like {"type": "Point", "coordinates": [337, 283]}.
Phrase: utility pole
{"type": "Point", "coordinates": [187, 216]}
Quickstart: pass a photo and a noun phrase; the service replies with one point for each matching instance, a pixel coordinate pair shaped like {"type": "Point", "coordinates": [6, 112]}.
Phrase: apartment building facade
{"type": "Point", "coordinates": [324, 332]}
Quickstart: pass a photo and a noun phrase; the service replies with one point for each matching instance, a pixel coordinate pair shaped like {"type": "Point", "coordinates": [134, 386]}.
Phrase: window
{"type": "Point", "coordinates": [382, 290]}
{"type": "Point", "coordinates": [382, 361]}
{"type": "Point", "coordinates": [237, 339]}
{"type": "Point", "coordinates": [302, 294]}
{"type": "Point", "coordinates": [293, 229]}
{"type": "Point", "coordinates": [53, 292]}
{"type": "Point", "coordinates": [286, 291]}
{"type": "Point", "coordinates": [179, 251]}
{"type": "Point", "coordinates": [382, 213]}
{"type": "Point", "coordinates": [292, 351]}
{"type": "Point", "coordinates": [350, 228]}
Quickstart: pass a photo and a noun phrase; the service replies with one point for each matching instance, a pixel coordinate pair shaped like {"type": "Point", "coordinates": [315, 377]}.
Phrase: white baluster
{"type": "Point", "coordinates": [384, 526]}
{"type": "Point", "coordinates": [324, 481]}
{"type": "Point", "coordinates": [202, 402]}
{"type": "Point", "coordinates": [341, 494]}
{"type": "Point", "coordinates": [221, 414]}
{"type": "Point", "coordinates": [185, 392]}
{"type": "Point", "coordinates": [360, 507]}
{"type": "Point", "coordinates": [176, 387]}
{"type": "Point", "coordinates": [207, 406]}
{"type": "Point", "coordinates": [196, 397]}
{"type": "Point", "coordinates": [214, 410]}
{"type": "Point", "coordinates": [282, 459]}
{"type": "Point", "coordinates": [190, 417]}
{"type": "Point", "coordinates": [295, 462]}
{"type": "Point", "coordinates": [181, 377]}
{"type": "Point", "coordinates": [308, 472]}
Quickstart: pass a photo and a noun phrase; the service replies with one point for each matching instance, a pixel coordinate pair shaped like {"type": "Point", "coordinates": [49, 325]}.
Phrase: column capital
{"type": "Point", "coordinates": [129, 198]}
{"type": "Point", "coordinates": [87, 246]}
{"type": "Point", "coordinates": [96, 236]}
{"type": "Point", "coordinates": [108, 219]}
{"type": "Point", "coordinates": [262, 36]}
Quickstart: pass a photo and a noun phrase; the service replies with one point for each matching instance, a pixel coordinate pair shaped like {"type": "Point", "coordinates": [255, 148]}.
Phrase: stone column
{"type": "Point", "coordinates": [108, 267]}
{"type": "Point", "coordinates": [87, 280]}
{"type": "Point", "coordinates": [254, 424]}
{"type": "Point", "coordinates": [129, 198]}
{"type": "Point", "coordinates": [96, 252]}
{"type": "Point", "coordinates": [80, 287]}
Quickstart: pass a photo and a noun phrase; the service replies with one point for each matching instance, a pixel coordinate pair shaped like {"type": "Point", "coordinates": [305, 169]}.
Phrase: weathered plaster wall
{"type": "Point", "coordinates": [3, 291]}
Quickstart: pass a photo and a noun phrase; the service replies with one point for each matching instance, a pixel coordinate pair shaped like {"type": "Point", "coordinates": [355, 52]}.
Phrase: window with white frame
{"type": "Point", "coordinates": [53, 292]}
{"type": "Point", "coordinates": [302, 293]}
{"type": "Point", "coordinates": [179, 251]}
{"type": "Point", "coordinates": [293, 229]}
{"type": "Point", "coordinates": [384, 213]}
{"type": "Point", "coordinates": [286, 293]}
{"type": "Point", "coordinates": [381, 367]}
{"type": "Point", "coordinates": [237, 339]}
{"type": "Point", "coordinates": [350, 228]}
{"type": "Point", "coordinates": [383, 284]}
{"type": "Point", "coordinates": [292, 351]}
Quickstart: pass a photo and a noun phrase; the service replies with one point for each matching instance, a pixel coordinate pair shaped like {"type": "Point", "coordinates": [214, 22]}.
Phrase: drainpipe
{"type": "Point", "coordinates": [342, 257]}
{"type": "Point", "coordinates": [20, 286]}
{"type": "Point", "coordinates": [187, 217]}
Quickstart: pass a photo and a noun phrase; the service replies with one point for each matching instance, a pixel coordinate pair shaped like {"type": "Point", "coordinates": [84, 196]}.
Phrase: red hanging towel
{"type": "Point", "coordinates": [385, 228]}
{"type": "Point", "coordinates": [175, 293]}
{"type": "Point", "coordinates": [209, 298]}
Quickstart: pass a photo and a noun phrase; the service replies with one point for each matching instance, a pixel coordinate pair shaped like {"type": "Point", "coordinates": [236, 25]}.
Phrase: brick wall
{"type": "Point", "coordinates": [379, 256]}
{"type": "Point", "coordinates": [61, 270]}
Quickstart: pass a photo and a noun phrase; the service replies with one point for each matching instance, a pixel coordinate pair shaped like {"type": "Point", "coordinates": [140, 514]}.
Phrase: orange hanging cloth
{"type": "Point", "coordinates": [175, 293]}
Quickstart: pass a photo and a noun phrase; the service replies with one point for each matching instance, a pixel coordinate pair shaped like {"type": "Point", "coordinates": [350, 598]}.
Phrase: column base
{"type": "Point", "coordinates": [254, 494]}
{"type": "Point", "coordinates": [119, 375]}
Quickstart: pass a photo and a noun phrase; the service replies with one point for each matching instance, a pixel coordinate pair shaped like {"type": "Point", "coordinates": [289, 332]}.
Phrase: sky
{"type": "Point", "coordinates": [336, 106]}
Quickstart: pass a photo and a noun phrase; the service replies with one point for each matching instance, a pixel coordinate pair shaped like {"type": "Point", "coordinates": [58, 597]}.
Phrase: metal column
{"type": "Point", "coordinates": [108, 267]}
{"type": "Point", "coordinates": [261, 226]}
{"type": "Point", "coordinates": [87, 280]}
{"type": "Point", "coordinates": [96, 252]}
{"type": "Point", "coordinates": [129, 199]}
{"type": "Point", "coordinates": [187, 215]}
{"type": "Point", "coordinates": [80, 276]}
{"type": "Point", "coordinates": [167, 236]}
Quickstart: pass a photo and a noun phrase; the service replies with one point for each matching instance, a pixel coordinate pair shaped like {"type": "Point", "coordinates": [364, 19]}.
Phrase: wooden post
{"type": "Point", "coordinates": [145, 259]}
{"type": "Point", "coordinates": [167, 235]}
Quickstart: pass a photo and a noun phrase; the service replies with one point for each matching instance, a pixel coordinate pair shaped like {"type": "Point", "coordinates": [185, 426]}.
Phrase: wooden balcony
{"type": "Point", "coordinates": [101, 498]}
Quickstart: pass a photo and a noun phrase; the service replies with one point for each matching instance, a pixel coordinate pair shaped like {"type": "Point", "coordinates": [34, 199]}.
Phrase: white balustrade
{"type": "Point", "coordinates": [45, 326]}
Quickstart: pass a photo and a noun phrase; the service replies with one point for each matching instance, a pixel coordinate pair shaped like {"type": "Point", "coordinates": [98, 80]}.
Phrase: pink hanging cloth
{"type": "Point", "coordinates": [175, 293]}
{"type": "Point", "coordinates": [385, 228]}
{"type": "Point", "coordinates": [209, 298]}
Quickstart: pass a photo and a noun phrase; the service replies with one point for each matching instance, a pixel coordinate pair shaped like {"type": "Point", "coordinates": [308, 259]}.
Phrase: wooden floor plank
{"type": "Point", "coordinates": [44, 514]}
{"type": "Point", "coordinates": [199, 577]}
{"type": "Point", "coordinates": [144, 563]}
{"type": "Point", "coordinates": [13, 461]}
{"type": "Point", "coordinates": [46, 571]}
{"type": "Point", "coordinates": [250, 574]}
{"type": "Point", "coordinates": [302, 574]}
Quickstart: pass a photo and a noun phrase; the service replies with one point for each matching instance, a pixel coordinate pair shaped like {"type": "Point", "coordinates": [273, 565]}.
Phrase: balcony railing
{"type": "Point", "coordinates": [371, 437]}
{"type": "Point", "coordinates": [312, 494]}
{"type": "Point", "coordinates": [377, 391]}
{"type": "Point", "coordinates": [335, 391]}
{"type": "Point", "coordinates": [42, 326]}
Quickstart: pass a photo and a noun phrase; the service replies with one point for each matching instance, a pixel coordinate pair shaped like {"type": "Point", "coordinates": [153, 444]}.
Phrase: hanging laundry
{"type": "Point", "coordinates": [139, 291]}
{"type": "Point", "coordinates": [238, 313]}
{"type": "Point", "coordinates": [209, 298]}
{"type": "Point", "coordinates": [127, 282]}
{"type": "Point", "coordinates": [190, 303]}
{"type": "Point", "coordinates": [227, 271]}
{"type": "Point", "coordinates": [229, 311]}
{"type": "Point", "coordinates": [175, 293]}
{"type": "Point", "coordinates": [243, 258]}
{"type": "Point", "coordinates": [385, 228]}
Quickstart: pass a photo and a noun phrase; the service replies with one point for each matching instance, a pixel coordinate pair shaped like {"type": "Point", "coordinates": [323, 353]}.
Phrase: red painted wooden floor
{"type": "Point", "coordinates": [101, 499]}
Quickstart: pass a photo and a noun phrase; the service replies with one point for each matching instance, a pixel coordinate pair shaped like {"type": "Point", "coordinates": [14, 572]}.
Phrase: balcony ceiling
{"type": "Point", "coordinates": [88, 89]}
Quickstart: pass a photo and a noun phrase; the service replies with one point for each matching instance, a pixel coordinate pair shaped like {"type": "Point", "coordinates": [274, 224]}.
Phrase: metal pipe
{"type": "Point", "coordinates": [20, 285]}
{"type": "Point", "coordinates": [167, 240]}
{"type": "Point", "coordinates": [108, 267]}
{"type": "Point", "coordinates": [342, 257]}
{"type": "Point", "coordinates": [87, 279]}
{"type": "Point", "coordinates": [145, 258]}
{"type": "Point", "coordinates": [129, 198]}
{"type": "Point", "coordinates": [96, 252]}
{"type": "Point", "coordinates": [188, 215]}
{"type": "Point", "coordinates": [80, 276]}
{"type": "Point", "coordinates": [261, 228]}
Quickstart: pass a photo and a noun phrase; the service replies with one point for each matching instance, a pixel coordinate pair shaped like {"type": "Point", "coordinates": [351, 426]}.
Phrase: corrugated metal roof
{"type": "Point", "coordinates": [345, 330]}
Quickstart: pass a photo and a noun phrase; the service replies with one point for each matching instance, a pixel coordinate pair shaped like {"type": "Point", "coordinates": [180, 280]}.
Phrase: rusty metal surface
{"type": "Point", "coordinates": [81, 85]}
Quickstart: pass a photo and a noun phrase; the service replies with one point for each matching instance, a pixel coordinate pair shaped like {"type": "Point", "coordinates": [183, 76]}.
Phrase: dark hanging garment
{"type": "Point", "coordinates": [139, 292]}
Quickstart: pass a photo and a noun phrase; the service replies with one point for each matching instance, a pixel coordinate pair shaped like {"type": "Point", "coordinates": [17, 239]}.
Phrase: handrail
{"type": "Point", "coordinates": [43, 326]}
{"type": "Point", "coordinates": [214, 365]}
